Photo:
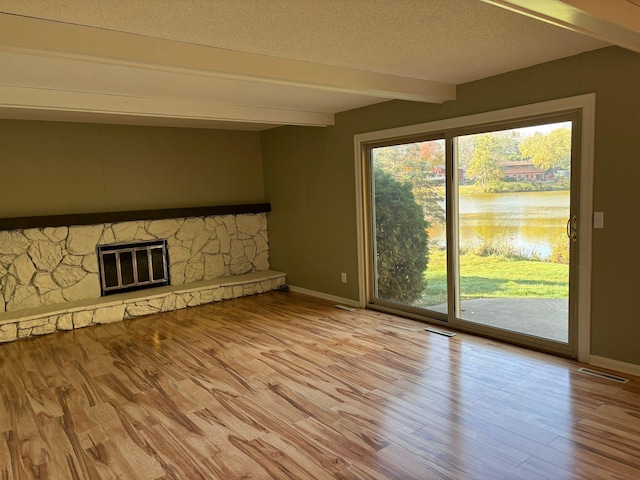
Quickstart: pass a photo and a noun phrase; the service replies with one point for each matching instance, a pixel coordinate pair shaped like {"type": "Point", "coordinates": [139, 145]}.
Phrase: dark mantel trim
{"type": "Point", "coordinates": [19, 223]}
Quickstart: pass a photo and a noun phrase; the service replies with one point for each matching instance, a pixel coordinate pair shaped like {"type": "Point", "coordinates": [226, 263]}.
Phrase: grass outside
{"type": "Point", "coordinates": [495, 277]}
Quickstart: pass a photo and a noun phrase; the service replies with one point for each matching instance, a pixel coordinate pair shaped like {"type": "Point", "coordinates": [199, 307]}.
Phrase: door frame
{"type": "Point", "coordinates": [585, 104]}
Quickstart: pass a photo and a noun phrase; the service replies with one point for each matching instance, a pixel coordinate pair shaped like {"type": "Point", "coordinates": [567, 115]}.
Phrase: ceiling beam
{"type": "Point", "coordinates": [610, 22]}
{"type": "Point", "coordinates": [123, 107]}
{"type": "Point", "coordinates": [60, 40]}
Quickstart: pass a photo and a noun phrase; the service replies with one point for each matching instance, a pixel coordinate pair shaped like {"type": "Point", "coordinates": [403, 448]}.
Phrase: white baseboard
{"type": "Point", "coordinates": [618, 366]}
{"type": "Point", "coordinates": [325, 296]}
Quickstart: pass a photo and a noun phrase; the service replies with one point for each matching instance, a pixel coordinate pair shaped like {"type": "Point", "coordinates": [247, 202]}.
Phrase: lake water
{"type": "Point", "coordinates": [530, 221]}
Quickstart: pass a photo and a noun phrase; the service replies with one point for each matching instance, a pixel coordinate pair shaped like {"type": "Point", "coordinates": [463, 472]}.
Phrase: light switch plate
{"type": "Point", "coordinates": [598, 219]}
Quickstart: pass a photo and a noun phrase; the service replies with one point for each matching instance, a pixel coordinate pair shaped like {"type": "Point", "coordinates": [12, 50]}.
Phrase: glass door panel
{"type": "Point", "coordinates": [409, 251]}
{"type": "Point", "coordinates": [513, 205]}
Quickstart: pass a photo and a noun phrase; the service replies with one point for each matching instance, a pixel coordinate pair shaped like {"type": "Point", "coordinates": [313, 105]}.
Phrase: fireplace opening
{"type": "Point", "coordinates": [125, 267]}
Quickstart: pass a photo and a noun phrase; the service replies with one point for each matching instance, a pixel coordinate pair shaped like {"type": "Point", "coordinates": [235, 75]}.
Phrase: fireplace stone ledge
{"type": "Point", "coordinates": [25, 323]}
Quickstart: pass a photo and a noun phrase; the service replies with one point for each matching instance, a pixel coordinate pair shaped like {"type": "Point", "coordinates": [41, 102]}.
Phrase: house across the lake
{"type": "Point", "coordinates": [526, 171]}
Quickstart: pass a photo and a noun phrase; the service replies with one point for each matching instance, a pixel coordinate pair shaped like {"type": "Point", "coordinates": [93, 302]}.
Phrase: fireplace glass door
{"type": "Point", "coordinates": [133, 266]}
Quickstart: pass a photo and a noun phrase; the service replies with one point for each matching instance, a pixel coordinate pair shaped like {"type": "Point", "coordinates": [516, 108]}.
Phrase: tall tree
{"type": "Point", "coordinates": [550, 151]}
{"type": "Point", "coordinates": [491, 151]}
{"type": "Point", "coordinates": [464, 147]}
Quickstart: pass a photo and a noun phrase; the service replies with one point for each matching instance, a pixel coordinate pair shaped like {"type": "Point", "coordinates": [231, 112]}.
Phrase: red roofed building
{"type": "Point", "coordinates": [525, 171]}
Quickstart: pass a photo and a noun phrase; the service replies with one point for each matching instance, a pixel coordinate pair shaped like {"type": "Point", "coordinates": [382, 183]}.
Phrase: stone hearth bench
{"type": "Point", "coordinates": [122, 306]}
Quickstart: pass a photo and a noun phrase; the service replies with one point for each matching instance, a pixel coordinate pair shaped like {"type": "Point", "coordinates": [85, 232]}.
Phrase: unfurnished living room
{"type": "Point", "coordinates": [316, 239]}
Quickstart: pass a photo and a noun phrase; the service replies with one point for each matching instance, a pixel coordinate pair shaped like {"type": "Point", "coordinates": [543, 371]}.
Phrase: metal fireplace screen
{"type": "Point", "coordinates": [133, 266]}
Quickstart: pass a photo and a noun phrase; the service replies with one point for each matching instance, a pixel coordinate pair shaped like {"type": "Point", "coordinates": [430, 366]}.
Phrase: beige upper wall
{"type": "Point", "coordinates": [310, 182]}
{"type": "Point", "coordinates": [49, 168]}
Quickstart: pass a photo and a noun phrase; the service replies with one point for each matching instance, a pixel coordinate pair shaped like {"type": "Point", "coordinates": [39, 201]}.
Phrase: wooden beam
{"type": "Point", "coordinates": [58, 40]}
{"type": "Point", "coordinates": [608, 23]}
{"type": "Point", "coordinates": [22, 98]}
{"type": "Point", "coordinates": [17, 223]}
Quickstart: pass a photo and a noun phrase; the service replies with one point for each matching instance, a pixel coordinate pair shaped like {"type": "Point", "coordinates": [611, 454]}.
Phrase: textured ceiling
{"type": "Point", "coordinates": [450, 41]}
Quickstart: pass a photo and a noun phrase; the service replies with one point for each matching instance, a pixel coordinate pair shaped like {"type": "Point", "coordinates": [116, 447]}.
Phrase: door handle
{"type": "Point", "coordinates": [572, 228]}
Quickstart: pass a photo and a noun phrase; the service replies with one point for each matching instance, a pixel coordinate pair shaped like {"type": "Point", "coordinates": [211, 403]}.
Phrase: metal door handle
{"type": "Point", "coordinates": [572, 228]}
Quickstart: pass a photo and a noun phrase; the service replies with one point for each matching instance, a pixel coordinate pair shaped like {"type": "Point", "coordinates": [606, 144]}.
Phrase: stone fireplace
{"type": "Point", "coordinates": [50, 275]}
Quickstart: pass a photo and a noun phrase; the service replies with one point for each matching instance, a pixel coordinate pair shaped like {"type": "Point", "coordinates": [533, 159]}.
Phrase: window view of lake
{"type": "Point", "coordinates": [529, 221]}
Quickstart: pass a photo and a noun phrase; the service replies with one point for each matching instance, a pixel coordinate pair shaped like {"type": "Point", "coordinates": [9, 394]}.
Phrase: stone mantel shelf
{"type": "Point", "coordinates": [146, 294]}
{"type": "Point", "coordinates": [19, 223]}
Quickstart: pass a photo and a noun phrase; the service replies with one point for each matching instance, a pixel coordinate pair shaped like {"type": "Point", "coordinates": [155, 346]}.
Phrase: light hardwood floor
{"type": "Point", "coordinates": [284, 386]}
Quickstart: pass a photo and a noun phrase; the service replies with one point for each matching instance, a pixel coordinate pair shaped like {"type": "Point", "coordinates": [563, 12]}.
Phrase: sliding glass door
{"type": "Point", "coordinates": [408, 193]}
{"type": "Point", "coordinates": [513, 207]}
{"type": "Point", "coordinates": [477, 227]}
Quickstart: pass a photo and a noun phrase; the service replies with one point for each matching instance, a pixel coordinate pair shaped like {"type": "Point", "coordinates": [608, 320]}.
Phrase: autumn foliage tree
{"type": "Point", "coordinates": [549, 151]}
{"type": "Point", "coordinates": [491, 151]}
{"type": "Point", "coordinates": [414, 163]}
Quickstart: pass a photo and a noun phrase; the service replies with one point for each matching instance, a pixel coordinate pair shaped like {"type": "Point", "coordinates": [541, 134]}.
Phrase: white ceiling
{"type": "Point", "coordinates": [254, 64]}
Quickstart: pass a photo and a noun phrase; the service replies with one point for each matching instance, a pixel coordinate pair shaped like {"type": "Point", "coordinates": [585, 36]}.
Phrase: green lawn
{"type": "Point", "coordinates": [495, 277]}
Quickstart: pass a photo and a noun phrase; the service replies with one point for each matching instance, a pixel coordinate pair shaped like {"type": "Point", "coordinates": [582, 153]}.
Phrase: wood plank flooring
{"type": "Point", "coordinates": [283, 386]}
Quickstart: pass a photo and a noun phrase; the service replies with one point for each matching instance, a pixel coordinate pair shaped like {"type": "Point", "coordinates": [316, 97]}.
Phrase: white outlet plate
{"type": "Point", "coordinates": [344, 277]}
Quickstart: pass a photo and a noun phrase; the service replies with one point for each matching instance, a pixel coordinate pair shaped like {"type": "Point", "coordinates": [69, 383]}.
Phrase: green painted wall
{"type": "Point", "coordinates": [49, 168]}
{"type": "Point", "coordinates": [308, 176]}
{"type": "Point", "coordinates": [310, 182]}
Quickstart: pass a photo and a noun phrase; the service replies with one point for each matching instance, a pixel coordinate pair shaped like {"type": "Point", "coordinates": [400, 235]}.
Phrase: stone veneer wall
{"type": "Point", "coordinates": [49, 266]}
{"type": "Point", "coordinates": [49, 276]}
